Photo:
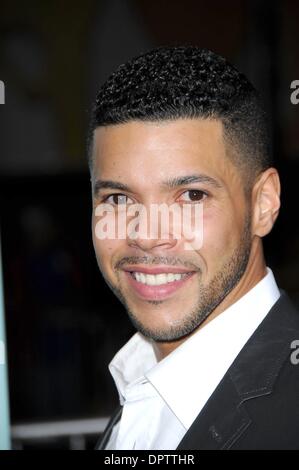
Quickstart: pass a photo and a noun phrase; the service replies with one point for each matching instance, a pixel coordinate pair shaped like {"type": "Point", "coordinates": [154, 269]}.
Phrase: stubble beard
{"type": "Point", "coordinates": [209, 297]}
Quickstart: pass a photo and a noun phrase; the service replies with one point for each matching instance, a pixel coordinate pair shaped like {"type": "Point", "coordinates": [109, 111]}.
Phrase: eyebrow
{"type": "Point", "coordinates": [109, 184]}
{"type": "Point", "coordinates": [188, 179]}
{"type": "Point", "coordinates": [170, 183]}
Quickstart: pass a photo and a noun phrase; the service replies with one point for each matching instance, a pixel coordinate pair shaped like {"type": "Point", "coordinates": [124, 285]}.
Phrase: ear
{"type": "Point", "coordinates": [266, 202]}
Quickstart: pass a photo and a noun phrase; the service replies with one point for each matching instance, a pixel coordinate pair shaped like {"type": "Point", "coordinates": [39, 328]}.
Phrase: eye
{"type": "Point", "coordinates": [194, 195]}
{"type": "Point", "coordinates": [117, 199]}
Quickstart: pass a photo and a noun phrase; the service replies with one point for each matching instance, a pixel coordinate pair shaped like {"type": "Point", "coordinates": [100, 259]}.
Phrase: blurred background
{"type": "Point", "coordinates": [63, 325]}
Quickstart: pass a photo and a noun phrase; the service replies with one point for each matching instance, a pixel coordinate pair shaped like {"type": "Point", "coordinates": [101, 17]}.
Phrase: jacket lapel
{"type": "Point", "coordinates": [104, 438]}
{"type": "Point", "coordinates": [220, 422]}
{"type": "Point", "coordinates": [224, 418]}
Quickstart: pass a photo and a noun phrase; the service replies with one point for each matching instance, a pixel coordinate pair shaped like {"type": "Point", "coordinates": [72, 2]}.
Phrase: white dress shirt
{"type": "Point", "coordinates": [162, 399]}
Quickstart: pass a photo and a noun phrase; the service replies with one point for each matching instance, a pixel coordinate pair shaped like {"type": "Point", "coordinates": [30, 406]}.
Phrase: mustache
{"type": "Point", "coordinates": [157, 260]}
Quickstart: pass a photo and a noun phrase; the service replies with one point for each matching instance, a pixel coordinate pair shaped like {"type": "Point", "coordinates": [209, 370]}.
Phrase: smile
{"type": "Point", "coordinates": [157, 286]}
{"type": "Point", "coordinates": [157, 279]}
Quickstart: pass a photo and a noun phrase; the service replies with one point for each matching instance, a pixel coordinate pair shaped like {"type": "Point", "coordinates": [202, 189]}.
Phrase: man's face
{"type": "Point", "coordinates": [142, 156]}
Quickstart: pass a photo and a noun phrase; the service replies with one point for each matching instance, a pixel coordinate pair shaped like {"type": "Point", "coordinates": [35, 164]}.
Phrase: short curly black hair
{"type": "Point", "coordinates": [176, 82]}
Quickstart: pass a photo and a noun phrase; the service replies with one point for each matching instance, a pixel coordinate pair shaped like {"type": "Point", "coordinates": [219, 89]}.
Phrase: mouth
{"type": "Point", "coordinates": [156, 284]}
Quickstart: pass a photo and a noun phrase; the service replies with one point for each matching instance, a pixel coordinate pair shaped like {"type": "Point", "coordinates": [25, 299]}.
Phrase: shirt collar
{"type": "Point", "coordinates": [187, 377]}
{"type": "Point", "coordinates": [131, 363]}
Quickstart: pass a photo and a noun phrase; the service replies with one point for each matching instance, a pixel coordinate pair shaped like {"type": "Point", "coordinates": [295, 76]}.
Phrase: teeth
{"type": "Point", "coordinates": [157, 279]}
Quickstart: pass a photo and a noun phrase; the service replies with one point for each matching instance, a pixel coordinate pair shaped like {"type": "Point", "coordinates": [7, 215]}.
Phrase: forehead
{"type": "Point", "coordinates": [150, 151]}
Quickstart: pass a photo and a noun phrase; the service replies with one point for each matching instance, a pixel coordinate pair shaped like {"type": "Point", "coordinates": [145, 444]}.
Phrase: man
{"type": "Point", "coordinates": [211, 364]}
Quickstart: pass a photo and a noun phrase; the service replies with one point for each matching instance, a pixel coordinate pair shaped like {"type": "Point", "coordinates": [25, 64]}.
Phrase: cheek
{"type": "Point", "coordinates": [105, 249]}
{"type": "Point", "coordinates": [220, 236]}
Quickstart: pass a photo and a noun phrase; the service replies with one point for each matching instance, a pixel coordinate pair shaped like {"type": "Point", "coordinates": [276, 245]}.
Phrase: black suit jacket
{"type": "Point", "coordinates": [256, 404]}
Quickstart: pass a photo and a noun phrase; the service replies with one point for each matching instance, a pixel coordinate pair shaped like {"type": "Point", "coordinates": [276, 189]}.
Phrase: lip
{"type": "Point", "coordinates": [160, 292]}
{"type": "Point", "coordinates": [157, 269]}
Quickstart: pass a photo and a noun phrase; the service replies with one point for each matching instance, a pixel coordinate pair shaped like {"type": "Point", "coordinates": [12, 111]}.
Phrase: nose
{"type": "Point", "coordinates": [151, 244]}
{"type": "Point", "coordinates": [151, 232]}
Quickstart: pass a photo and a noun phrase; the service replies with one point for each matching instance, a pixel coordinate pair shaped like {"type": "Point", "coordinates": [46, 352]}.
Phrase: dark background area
{"type": "Point", "coordinates": [63, 324]}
